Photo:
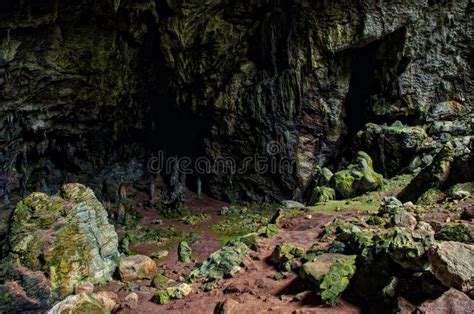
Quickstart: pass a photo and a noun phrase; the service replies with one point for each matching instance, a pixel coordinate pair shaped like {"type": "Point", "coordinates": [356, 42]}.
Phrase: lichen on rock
{"type": "Point", "coordinates": [358, 178]}
{"type": "Point", "coordinates": [67, 237]}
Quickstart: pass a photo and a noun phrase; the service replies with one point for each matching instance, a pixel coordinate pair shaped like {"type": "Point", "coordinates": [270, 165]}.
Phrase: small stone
{"type": "Point", "coordinates": [161, 297]}
{"type": "Point", "coordinates": [184, 252]}
{"type": "Point", "coordinates": [84, 287]}
{"type": "Point", "coordinates": [137, 267]}
{"type": "Point", "coordinates": [160, 254]}
{"type": "Point", "coordinates": [107, 299]}
{"type": "Point", "coordinates": [292, 204]}
{"type": "Point", "coordinates": [303, 295]}
{"type": "Point", "coordinates": [160, 282]}
{"type": "Point", "coordinates": [229, 306]}
{"type": "Point", "coordinates": [180, 291]}
{"type": "Point", "coordinates": [404, 219]}
{"type": "Point", "coordinates": [308, 217]}
{"type": "Point", "coordinates": [132, 299]}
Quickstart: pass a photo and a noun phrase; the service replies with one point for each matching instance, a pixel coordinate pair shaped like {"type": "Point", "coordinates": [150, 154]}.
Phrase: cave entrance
{"type": "Point", "coordinates": [375, 69]}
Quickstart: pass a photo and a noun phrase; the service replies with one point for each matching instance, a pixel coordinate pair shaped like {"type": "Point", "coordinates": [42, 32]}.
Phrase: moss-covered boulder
{"type": "Point", "coordinates": [400, 245]}
{"type": "Point", "coordinates": [284, 255]}
{"type": "Point", "coordinates": [176, 292]}
{"type": "Point", "coordinates": [431, 197]}
{"type": "Point", "coordinates": [224, 262]}
{"type": "Point", "coordinates": [322, 194]}
{"type": "Point", "coordinates": [269, 231]}
{"type": "Point", "coordinates": [358, 178]}
{"type": "Point", "coordinates": [161, 282]}
{"type": "Point", "coordinates": [451, 165]}
{"type": "Point", "coordinates": [67, 237]}
{"type": "Point", "coordinates": [185, 253]}
{"type": "Point", "coordinates": [330, 275]}
{"type": "Point", "coordinates": [454, 232]}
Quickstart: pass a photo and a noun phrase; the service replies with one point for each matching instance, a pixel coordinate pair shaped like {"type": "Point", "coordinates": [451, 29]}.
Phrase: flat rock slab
{"type": "Point", "coordinates": [453, 264]}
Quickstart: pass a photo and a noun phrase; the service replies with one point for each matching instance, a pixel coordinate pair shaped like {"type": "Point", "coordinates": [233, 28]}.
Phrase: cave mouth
{"type": "Point", "coordinates": [374, 82]}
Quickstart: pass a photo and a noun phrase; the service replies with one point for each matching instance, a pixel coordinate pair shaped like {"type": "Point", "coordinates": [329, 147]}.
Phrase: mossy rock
{"type": "Point", "coordinates": [321, 195]}
{"type": "Point", "coordinates": [77, 304]}
{"type": "Point", "coordinates": [375, 221]}
{"type": "Point", "coordinates": [66, 236]}
{"type": "Point", "coordinates": [285, 256]}
{"type": "Point", "coordinates": [359, 177]}
{"type": "Point", "coordinates": [454, 232]}
{"type": "Point", "coordinates": [161, 297]}
{"type": "Point", "coordinates": [431, 197]}
{"type": "Point", "coordinates": [224, 262]}
{"type": "Point", "coordinates": [184, 252]}
{"type": "Point", "coordinates": [399, 244]}
{"type": "Point", "coordinates": [160, 282]}
{"type": "Point", "coordinates": [330, 275]}
{"type": "Point", "coordinates": [269, 231]}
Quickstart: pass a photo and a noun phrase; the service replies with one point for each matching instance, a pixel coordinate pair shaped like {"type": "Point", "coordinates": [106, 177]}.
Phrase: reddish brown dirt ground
{"type": "Point", "coordinates": [253, 290]}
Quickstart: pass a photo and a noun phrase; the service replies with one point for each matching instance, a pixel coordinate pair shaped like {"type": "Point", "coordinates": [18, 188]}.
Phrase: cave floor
{"type": "Point", "coordinates": [254, 289]}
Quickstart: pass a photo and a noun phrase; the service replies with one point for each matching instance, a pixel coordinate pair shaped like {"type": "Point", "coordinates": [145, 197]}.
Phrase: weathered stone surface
{"type": "Point", "coordinates": [224, 262]}
{"type": "Point", "coordinates": [357, 179]}
{"type": "Point", "coordinates": [404, 219]}
{"type": "Point", "coordinates": [392, 147]}
{"type": "Point", "coordinates": [452, 301]}
{"type": "Point", "coordinates": [448, 111]}
{"type": "Point", "coordinates": [67, 237]}
{"type": "Point", "coordinates": [184, 252]}
{"type": "Point", "coordinates": [137, 267]}
{"type": "Point", "coordinates": [322, 194]}
{"type": "Point", "coordinates": [293, 74]}
{"type": "Point", "coordinates": [107, 299]}
{"type": "Point", "coordinates": [453, 264]}
{"type": "Point", "coordinates": [450, 166]}
{"type": "Point", "coordinates": [330, 274]}
{"type": "Point", "coordinates": [79, 303]}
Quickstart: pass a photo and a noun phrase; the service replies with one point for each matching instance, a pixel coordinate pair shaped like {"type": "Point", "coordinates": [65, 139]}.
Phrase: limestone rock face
{"type": "Point", "coordinates": [67, 237]}
{"type": "Point", "coordinates": [393, 146]}
{"type": "Point", "coordinates": [453, 264]}
{"type": "Point", "coordinates": [451, 165]}
{"type": "Point", "coordinates": [303, 75]}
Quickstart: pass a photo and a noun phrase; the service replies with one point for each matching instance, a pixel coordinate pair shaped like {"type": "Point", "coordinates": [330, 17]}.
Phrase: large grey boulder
{"type": "Point", "coordinates": [453, 264]}
{"type": "Point", "coordinates": [63, 239]}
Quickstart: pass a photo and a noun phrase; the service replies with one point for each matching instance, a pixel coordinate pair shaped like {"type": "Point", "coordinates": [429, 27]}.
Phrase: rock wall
{"type": "Point", "coordinates": [86, 84]}
{"type": "Point", "coordinates": [70, 92]}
